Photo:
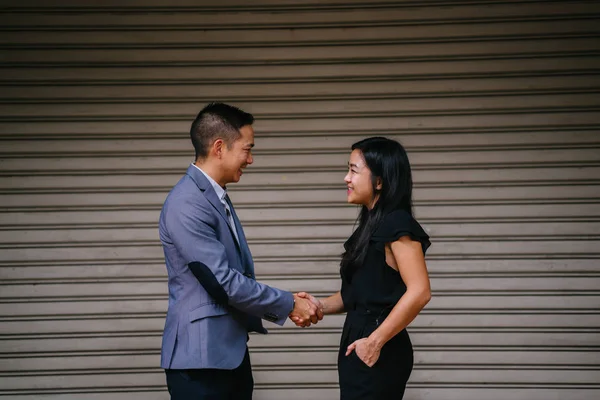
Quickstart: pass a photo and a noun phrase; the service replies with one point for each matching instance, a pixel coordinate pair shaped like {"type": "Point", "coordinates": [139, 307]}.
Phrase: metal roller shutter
{"type": "Point", "coordinates": [496, 101]}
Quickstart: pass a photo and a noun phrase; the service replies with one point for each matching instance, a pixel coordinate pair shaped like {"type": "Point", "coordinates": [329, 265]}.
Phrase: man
{"type": "Point", "coordinates": [214, 299]}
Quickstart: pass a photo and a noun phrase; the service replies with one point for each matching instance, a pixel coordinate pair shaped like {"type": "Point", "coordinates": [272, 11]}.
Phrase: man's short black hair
{"type": "Point", "coordinates": [217, 121]}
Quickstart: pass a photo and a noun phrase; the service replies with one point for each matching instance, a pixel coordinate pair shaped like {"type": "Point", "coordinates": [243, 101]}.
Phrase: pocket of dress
{"type": "Point", "coordinates": [207, 310]}
{"type": "Point", "coordinates": [358, 360]}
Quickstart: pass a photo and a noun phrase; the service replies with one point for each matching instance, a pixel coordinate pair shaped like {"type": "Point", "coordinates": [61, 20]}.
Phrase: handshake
{"type": "Point", "coordinates": [307, 310]}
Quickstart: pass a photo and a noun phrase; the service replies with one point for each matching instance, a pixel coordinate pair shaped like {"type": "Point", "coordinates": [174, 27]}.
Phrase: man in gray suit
{"type": "Point", "coordinates": [214, 299]}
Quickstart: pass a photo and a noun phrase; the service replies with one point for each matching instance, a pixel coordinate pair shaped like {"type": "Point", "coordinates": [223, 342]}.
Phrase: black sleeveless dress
{"type": "Point", "coordinates": [369, 294]}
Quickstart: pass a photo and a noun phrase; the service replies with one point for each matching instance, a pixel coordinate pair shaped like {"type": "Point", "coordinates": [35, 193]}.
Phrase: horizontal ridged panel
{"type": "Point", "coordinates": [357, 12]}
{"type": "Point", "coordinates": [301, 55]}
{"type": "Point", "coordinates": [175, 95]}
{"type": "Point", "coordinates": [312, 108]}
{"type": "Point", "coordinates": [550, 65]}
{"type": "Point", "coordinates": [11, 37]}
{"type": "Point", "coordinates": [496, 101]}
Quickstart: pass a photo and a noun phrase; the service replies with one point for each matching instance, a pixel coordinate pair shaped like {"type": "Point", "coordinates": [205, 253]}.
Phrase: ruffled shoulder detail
{"type": "Point", "coordinates": [399, 223]}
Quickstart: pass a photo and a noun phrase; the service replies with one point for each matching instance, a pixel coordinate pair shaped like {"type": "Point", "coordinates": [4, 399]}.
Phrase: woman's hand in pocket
{"type": "Point", "coordinates": [367, 350]}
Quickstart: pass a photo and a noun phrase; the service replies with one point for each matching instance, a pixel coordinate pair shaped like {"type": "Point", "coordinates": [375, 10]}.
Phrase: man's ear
{"type": "Point", "coordinates": [217, 148]}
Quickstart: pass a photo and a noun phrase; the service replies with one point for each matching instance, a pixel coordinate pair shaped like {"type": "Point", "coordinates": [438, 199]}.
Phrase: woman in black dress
{"type": "Point", "coordinates": [384, 277]}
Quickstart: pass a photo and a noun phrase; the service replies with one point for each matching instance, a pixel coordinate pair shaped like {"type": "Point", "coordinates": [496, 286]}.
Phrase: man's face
{"type": "Point", "coordinates": [239, 156]}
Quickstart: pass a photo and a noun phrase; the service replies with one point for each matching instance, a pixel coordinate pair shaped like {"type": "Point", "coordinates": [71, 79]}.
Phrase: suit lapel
{"type": "Point", "coordinates": [205, 186]}
{"type": "Point", "coordinates": [210, 194]}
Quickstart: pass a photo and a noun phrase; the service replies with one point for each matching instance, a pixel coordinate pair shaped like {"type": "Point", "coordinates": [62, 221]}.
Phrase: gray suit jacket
{"type": "Point", "coordinates": [214, 300]}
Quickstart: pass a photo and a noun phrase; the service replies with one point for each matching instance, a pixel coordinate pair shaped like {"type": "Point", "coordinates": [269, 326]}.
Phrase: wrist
{"type": "Point", "coordinates": [377, 340]}
{"type": "Point", "coordinates": [324, 305]}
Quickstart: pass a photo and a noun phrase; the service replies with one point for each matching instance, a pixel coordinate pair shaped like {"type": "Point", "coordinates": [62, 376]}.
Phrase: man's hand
{"type": "Point", "coordinates": [310, 310]}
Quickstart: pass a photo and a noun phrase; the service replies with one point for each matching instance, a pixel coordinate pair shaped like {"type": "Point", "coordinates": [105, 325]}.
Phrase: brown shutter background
{"type": "Point", "coordinates": [496, 101]}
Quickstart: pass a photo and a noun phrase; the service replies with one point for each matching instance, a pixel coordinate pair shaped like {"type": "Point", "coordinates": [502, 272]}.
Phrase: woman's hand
{"type": "Point", "coordinates": [366, 349]}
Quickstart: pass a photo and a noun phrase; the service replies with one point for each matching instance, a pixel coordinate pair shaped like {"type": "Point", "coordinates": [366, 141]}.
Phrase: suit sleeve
{"type": "Point", "coordinates": [195, 238]}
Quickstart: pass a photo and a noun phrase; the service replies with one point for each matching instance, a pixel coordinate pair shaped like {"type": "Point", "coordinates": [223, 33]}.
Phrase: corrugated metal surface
{"type": "Point", "coordinates": [497, 103]}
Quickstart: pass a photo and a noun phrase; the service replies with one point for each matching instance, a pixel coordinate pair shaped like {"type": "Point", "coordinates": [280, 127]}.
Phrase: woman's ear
{"type": "Point", "coordinates": [379, 184]}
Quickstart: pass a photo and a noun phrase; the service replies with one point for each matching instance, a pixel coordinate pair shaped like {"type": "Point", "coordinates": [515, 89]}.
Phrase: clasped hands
{"type": "Point", "coordinates": [307, 310]}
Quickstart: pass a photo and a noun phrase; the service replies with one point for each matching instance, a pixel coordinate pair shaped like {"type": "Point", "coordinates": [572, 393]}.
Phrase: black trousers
{"type": "Point", "coordinates": [211, 384]}
{"type": "Point", "coordinates": [386, 380]}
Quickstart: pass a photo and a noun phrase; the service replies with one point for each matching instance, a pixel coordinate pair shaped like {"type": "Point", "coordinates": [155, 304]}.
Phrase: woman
{"type": "Point", "coordinates": [384, 277]}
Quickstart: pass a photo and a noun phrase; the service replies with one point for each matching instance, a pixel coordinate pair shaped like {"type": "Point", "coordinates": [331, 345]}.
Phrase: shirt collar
{"type": "Point", "coordinates": [220, 191]}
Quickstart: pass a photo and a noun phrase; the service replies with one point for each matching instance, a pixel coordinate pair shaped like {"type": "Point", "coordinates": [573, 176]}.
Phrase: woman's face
{"type": "Point", "coordinates": [358, 180]}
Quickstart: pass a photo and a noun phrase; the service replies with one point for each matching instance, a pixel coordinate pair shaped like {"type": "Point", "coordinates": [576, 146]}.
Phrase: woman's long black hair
{"type": "Point", "coordinates": [389, 163]}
